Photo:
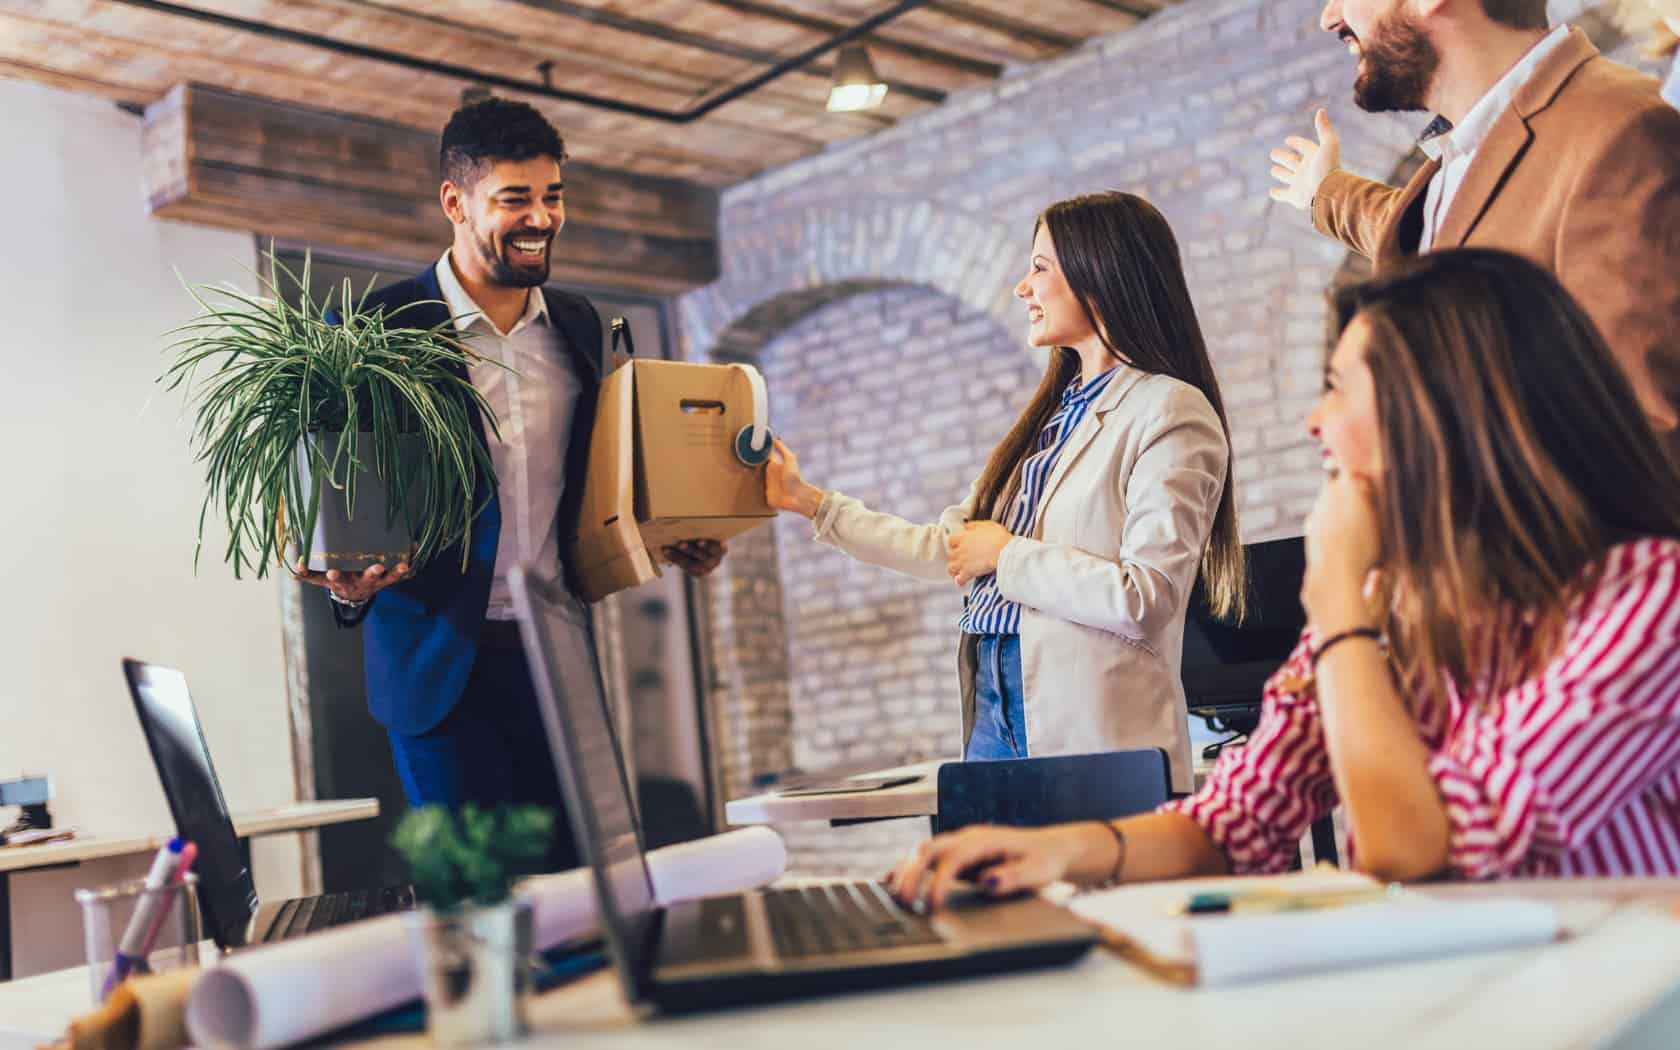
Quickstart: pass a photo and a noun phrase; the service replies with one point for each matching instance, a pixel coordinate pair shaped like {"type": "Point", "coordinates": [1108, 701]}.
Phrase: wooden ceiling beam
{"type": "Point", "coordinates": [711, 45]}
{"type": "Point", "coordinates": [1050, 18]}
{"type": "Point", "coordinates": [1005, 25]}
{"type": "Point", "coordinates": [585, 50]}
{"type": "Point", "coordinates": [881, 42]}
{"type": "Point", "coordinates": [419, 55]}
{"type": "Point", "coordinates": [931, 26]}
{"type": "Point", "coordinates": [218, 158]}
{"type": "Point", "coordinates": [716, 151]}
{"type": "Point", "coordinates": [383, 44]}
{"type": "Point", "coordinates": [76, 52]}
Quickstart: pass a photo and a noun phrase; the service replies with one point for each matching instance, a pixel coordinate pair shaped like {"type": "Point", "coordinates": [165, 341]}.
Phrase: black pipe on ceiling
{"type": "Point", "coordinates": [670, 116]}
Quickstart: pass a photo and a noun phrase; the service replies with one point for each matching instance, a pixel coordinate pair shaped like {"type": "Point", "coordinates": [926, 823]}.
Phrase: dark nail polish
{"type": "Point", "coordinates": [991, 882]}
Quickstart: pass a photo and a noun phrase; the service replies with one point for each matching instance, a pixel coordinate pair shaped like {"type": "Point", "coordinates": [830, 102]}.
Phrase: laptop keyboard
{"type": "Point", "coordinates": [841, 917]}
{"type": "Point", "coordinates": [305, 914]}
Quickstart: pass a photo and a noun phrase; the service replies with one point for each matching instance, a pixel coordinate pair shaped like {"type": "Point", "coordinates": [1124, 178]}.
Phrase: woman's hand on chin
{"type": "Point", "coordinates": [1344, 548]}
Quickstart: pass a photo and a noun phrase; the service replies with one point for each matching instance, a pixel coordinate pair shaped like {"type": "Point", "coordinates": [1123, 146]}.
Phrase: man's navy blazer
{"type": "Point", "coordinates": [421, 635]}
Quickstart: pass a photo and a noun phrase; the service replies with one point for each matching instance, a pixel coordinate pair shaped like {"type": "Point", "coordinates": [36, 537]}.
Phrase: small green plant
{"type": "Point", "coordinates": [280, 374]}
{"type": "Point", "coordinates": [474, 855]}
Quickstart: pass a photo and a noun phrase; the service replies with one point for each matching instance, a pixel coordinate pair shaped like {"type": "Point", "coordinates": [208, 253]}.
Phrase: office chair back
{"type": "Point", "coordinates": [1033, 792]}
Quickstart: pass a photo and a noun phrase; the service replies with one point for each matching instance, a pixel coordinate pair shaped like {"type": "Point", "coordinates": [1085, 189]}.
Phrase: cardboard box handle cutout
{"type": "Point", "coordinates": [752, 444]}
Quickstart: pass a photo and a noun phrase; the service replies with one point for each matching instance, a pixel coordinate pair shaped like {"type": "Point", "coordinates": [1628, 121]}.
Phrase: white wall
{"type": "Point", "coordinates": [101, 498]}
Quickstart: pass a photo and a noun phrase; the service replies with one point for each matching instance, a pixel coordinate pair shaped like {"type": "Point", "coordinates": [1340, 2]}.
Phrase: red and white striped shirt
{"type": "Point", "coordinates": [1575, 771]}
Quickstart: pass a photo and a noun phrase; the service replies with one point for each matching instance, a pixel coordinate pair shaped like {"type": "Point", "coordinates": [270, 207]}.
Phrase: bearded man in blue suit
{"type": "Point", "coordinates": [446, 673]}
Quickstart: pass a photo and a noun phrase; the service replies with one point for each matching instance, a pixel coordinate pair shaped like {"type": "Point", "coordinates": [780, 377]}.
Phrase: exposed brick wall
{"type": "Point", "coordinates": [894, 397]}
{"type": "Point", "coordinates": [873, 282]}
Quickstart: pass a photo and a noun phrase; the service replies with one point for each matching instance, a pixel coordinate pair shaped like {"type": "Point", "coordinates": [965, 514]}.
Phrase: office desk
{"type": "Point", "coordinates": [920, 799]}
{"type": "Point", "coordinates": [1581, 993]}
{"type": "Point", "coordinates": [299, 816]}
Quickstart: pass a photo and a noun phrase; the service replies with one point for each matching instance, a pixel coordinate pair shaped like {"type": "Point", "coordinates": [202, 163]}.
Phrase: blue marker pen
{"type": "Point", "coordinates": [131, 949]}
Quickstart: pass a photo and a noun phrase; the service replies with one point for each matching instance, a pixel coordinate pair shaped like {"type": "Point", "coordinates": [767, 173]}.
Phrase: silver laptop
{"type": "Point", "coordinates": [226, 893]}
{"type": "Point", "coordinates": [756, 946]}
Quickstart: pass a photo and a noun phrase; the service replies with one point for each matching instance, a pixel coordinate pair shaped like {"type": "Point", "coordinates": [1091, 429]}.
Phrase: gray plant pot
{"type": "Point", "coordinates": [475, 972]}
{"type": "Point", "coordinates": [352, 543]}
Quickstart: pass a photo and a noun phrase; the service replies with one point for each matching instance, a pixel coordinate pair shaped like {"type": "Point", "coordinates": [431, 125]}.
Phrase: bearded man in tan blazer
{"type": "Point", "coordinates": [1540, 146]}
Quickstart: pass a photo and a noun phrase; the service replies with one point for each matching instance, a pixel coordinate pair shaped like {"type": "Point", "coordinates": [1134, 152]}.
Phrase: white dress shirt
{"type": "Point", "coordinates": [533, 398]}
{"type": "Point", "coordinates": [1456, 149]}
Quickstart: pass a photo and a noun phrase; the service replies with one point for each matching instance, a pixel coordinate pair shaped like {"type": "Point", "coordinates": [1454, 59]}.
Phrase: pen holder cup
{"type": "Point", "coordinates": [162, 924]}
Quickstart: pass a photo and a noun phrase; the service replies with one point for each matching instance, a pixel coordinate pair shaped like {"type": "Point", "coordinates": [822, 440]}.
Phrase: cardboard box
{"type": "Point", "coordinates": [663, 468]}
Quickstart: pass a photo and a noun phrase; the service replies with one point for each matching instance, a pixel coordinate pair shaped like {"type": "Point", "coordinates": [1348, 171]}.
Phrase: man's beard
{"type": "Point", "coordinates": [1400, 64]}
{"type": "Point", "coordinates": [509, 274]}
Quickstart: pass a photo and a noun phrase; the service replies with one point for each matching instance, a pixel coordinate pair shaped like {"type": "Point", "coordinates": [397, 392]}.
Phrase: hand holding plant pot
{"type": "Point", "coordinates": [351, 444]}
{"type": "Point", "coordinates": [354, 588]}
{"type": "Point", "coordinates": [474, 937]}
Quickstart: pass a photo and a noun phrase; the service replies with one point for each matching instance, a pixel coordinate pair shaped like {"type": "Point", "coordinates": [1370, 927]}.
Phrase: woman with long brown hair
{"type": "Point", "coordinates": [1489, 681]}
{"type": "Point", "coordinates": [1080, 542]}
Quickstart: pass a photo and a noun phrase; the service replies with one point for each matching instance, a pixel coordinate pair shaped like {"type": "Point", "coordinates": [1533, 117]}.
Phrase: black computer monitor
{"type": "Point", "coordinates": [1225, 665]}
{"type": "Point", "coordinates": [588, 757]}
{"type": "Point", "coordinates": [226, 893]}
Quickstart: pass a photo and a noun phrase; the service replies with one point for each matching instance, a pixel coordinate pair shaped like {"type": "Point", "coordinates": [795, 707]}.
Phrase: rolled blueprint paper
{"type": "Point", "coordinates": [295, 990]}
{"type": "Point", "coordinates": [706, 867]}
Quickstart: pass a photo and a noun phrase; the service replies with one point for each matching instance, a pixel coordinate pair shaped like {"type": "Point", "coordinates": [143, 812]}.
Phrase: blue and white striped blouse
{"type": "Point", "coordinates": [986, 610]}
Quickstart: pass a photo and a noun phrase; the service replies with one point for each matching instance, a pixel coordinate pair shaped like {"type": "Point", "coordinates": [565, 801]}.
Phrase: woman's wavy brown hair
{"type": "Point", "coordinates": [1121, 260]}
{"type": "Point", "coordinates": [1514, 456]}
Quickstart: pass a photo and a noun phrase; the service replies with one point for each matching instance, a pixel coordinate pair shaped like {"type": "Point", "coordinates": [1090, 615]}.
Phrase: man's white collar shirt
{"type": "Point", "coordinates": [1456, 148]}
{"type": "Point", "coordinates": [534, 398]}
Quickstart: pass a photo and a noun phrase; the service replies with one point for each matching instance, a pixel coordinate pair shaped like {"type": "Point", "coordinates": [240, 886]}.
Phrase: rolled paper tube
{"type": "Point", "coordinates": [294, 990]}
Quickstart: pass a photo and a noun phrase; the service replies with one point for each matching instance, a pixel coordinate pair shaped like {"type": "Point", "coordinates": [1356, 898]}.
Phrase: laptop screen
{"type": "Point", "coordinates": [226, 892]}
{"type": "Point", "coordinates": [561, 651]}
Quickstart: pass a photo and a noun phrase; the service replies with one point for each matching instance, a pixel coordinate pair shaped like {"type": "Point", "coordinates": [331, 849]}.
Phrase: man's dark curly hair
{"type": "Point", "coordinates": [491, 130]}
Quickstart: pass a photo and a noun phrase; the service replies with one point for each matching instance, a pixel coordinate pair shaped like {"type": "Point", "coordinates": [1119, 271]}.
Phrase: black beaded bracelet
{"type": "Point", "coordinates": [1119, 840]}
{"type": "Point", "coordinates": [1341, 636]}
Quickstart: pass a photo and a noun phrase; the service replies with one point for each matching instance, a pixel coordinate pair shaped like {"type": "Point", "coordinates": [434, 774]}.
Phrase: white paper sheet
{"type": "Point", "coordinates": [295, 990]}
{"type": "Point", "coordinates": [1238, 948]}
{"type": "Point", "coordinates": [1227, 949]}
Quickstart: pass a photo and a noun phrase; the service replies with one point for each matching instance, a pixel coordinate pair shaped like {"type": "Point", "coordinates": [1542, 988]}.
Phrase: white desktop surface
{"type": "Point", "coordinates": [919, 799]}
{"type": "Point", "coordinates": [1567, 996]}
{"type": "Point", "coordinates": [297, 816]}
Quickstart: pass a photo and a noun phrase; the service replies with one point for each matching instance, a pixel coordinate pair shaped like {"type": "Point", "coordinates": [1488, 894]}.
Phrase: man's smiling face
{"type": "Point", "coordinates": [511, 213]}
{"type": "Point", "coordinates": [1397, 60]}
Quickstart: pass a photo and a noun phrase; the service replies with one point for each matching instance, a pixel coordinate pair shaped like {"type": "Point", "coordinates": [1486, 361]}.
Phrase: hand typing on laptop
{"type": "Point", "coordinates": [991, 861]}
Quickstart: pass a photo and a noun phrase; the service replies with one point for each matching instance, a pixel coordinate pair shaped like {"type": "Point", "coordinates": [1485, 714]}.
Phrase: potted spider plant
{"type": "Point", "coordinates": [474, 938]}
{"type": "Point", "coordinates": [341, 441]}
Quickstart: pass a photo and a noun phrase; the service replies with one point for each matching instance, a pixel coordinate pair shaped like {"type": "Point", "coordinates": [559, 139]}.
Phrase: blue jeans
{"type": "Point", "coordinates": [491, 749]}
{"type": "Point", "coordinates": [1000, 716]}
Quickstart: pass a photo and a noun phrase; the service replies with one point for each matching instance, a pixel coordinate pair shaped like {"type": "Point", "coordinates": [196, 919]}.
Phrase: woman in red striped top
{"type": "Point", "coordinates": [1490, 677]}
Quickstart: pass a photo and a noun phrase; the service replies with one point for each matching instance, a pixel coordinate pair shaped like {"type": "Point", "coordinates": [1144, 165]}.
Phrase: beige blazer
{"type": "Point", "coordinates": [1581, 174]}
{"type": "Point", "coordinates": [1105, 578]}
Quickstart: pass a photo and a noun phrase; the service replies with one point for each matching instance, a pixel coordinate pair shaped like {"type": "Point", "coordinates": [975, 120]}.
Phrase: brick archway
{"type": "Point", "coordinates": [783, 269]}
{"type": "Point", "coordinates": [799, 259]}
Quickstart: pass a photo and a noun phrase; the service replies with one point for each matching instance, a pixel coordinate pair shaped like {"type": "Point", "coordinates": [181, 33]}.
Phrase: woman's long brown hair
{"type": "Point", "coordinates": [1514, 456]}
{"type": "Point", "coordinates": [1121, 261]}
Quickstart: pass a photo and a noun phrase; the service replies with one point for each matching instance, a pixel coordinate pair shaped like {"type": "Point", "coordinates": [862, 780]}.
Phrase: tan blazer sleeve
{"type": "Point", "coordinates": [1619, 254]}
{"type": "Point", "coordinates": [1171, 496]}
{"type": "Point", "coordinates": [1354, 210]}
{"type": "Point", "coordinates": [888, 540]}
